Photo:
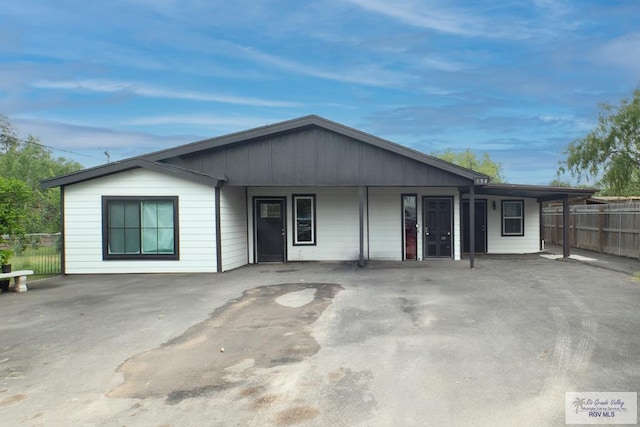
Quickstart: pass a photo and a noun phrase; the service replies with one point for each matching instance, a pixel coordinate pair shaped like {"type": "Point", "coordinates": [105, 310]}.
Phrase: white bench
{"type": "Point", "coordinates": [20, 279]}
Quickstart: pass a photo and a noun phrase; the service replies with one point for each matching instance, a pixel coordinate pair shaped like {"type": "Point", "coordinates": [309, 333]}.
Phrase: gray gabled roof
{"type": "Point", "coordinates": [155, 160]}
{"type": "Point", "coordinates": [124, 165]}
{"type": "Point", "coordinates": [313, 120]}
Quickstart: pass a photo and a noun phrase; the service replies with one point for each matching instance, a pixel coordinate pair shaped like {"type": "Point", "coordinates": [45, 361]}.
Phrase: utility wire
{"type": "Point", "coordinates": [23, 141]}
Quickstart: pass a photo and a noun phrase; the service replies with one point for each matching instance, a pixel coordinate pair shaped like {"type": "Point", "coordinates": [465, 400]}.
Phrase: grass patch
{"type": "Point", "coordinates": [44, 261]}
{"type": "Point", "coordinates": [636, 276]}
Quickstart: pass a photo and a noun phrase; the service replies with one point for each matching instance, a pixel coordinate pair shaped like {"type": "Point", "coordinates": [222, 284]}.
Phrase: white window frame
{"type": "Point", "coordinates": [520, 217]}
{"type": "Point", "coordinates": [312, 198]}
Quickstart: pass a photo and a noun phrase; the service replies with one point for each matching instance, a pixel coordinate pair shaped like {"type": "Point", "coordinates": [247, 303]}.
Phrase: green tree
{"type": "Point", "coordinates": [16, 200]}
{"type": "Point", "coordinates": [29, 162]}
{"type": "Point", "coordinates": [559, 183]}
{"type": "Point", "coordinates": [611, 151]}
{"type": "Point", "coordinates": [8, 135]}
{"type": "Point", "coordinates": [469, 160]}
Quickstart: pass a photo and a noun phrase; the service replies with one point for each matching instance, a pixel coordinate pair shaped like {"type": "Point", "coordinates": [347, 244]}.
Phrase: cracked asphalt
{"type": "Point", "coordinates": [315, 344]}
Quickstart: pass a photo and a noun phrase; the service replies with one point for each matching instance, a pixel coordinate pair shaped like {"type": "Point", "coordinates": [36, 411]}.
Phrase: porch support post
{"type": "Point", "coordinates": [218, 232]}
{"type": "Point", "coordinates": [566, 247]}
{"type": "Point", "coordinates": [541, 221]}
{"type": "Point", "coordinates": [361, 223]}
{"type": "Point", "coordinates": [472, 226]}
{"type": "Point", "coordinates": [63, 250]}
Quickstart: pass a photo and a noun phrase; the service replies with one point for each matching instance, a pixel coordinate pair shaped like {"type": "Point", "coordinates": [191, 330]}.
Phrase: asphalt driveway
{"type": "Point", "coordinates": [320, 344]}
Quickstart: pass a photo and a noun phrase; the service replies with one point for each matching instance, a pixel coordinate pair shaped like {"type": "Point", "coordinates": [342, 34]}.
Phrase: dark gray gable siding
{"type": "Point", "coordinates": [309, 150]}
{"type": "Point", "coordinates": [313, 156]}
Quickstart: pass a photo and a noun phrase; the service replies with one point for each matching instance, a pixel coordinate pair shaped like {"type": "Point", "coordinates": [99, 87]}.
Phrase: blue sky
{"type": "Point", "coordinates": [517, 79]}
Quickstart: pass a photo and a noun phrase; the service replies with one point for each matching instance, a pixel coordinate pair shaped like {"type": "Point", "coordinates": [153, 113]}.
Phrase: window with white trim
{"type": "Point", "coordinates": [304, 219]}
{"type": "Point", "coordinates": [513, 217]}
{"type": "Point", "coordinates": [140, 227]}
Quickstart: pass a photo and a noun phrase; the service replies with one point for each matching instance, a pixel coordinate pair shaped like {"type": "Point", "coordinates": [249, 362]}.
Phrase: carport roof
{"type": "Point", "coordinates": [541, 193]}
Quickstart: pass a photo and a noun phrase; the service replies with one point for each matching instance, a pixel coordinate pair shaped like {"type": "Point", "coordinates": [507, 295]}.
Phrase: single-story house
{"type": "Point", "coordinates": [307, 189]}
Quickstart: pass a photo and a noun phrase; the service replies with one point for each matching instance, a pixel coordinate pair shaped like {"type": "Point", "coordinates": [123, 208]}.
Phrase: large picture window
{"type": "Point", "coordinates": [513, 218]}
{"type": "Point", "coordinates": [304, 217]}
{"type": "Point", "coordinates": [140, 227]}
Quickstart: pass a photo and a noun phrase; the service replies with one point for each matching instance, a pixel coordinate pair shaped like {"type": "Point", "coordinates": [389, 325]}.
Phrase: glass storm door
{"type": "Point", "coordinates": [409, 226]}
{"type": "Point", "coordinates": [437, 227]}
{"type": "Point", "coordinates": [270, 230]}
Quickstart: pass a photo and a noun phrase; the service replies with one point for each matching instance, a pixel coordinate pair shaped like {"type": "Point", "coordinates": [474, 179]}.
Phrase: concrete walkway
{"type": "Point", "coordinates": [610, 262]}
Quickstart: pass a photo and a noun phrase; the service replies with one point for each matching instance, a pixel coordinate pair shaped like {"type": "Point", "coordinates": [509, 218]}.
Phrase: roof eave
{"type": "Point", "coordinates": [125, 165]}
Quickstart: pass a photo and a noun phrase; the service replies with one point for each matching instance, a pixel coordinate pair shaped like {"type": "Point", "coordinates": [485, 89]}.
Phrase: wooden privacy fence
{"type": "Point", "coordinates": [612, 228]}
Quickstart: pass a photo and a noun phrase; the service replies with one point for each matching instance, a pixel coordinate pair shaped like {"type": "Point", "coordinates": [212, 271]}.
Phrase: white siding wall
{"type": "Point", "coordinates": [233, 214]}
{"type": "Point", "coordinates": [498, 244]}
{"type": "Point", "coordinates": [83, 223]}
{"type": "Point", "coordinates": [385, 223]}
{"type": "Point", "coordinates": [385, 219]}
{"type": "Point", "coordinates": [337, 219]}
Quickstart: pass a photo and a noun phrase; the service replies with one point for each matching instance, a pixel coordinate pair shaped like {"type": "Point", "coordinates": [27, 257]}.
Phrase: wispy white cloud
{"type": "Point", "coordinates": [441, 64]}
{"type": "Point", "coordinates": [368, 74]}
{"type": "Point", "coordinates": [623, 51]}
{"type": "Point", "coordinates": [233, 122]}
{"type": "Point", "coordinates": [424, 16]}
{"type": "Point", "coordinates": [556, 7]}
{"type": "Point", "coordinates": [139, 89]}
{"type": "Point", "coordinates": [474, 19]}
{"type": "Point", "coordinates": [434, 90]}
{"type": "Point", "coordinates": [86, 144]}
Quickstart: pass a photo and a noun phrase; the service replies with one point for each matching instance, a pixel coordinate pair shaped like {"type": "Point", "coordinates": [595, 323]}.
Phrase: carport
{"type": "Point", "coordinates": [541, 193]}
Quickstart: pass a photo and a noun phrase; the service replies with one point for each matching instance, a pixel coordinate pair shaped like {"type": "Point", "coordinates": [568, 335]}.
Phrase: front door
{"type": "Point", "coordinates": [437, 227]}
{"type": "Point", "coordinates": [480, 235]}
{"type": "Point", "coordinates": [270, 230]}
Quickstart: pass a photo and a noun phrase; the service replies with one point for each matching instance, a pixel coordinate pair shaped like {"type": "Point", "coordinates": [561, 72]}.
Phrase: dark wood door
{"type": "Point", "coordinates": [270, 230]}
{"type": "Point", "coordinates": [480, 234]}
{"type": "Point", "coordinates": [437, 227]}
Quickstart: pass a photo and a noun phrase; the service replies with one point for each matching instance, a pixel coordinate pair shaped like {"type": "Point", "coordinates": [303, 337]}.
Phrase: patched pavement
{"type": "Point", "coordinates": [266, 327]}
{"type": "Point", "coordinates": [317, 344]}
